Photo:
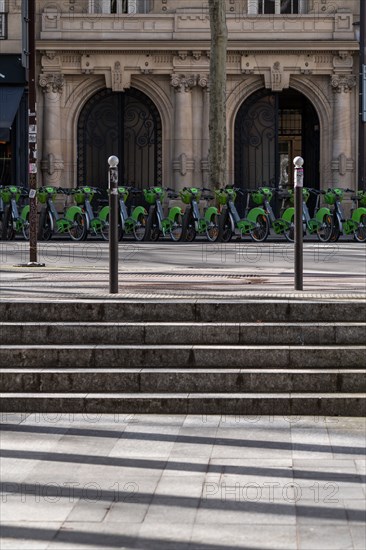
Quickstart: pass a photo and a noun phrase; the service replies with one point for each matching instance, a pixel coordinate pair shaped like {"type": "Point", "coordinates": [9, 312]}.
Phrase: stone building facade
{"type": "Point", "coordinates": [131, 78]}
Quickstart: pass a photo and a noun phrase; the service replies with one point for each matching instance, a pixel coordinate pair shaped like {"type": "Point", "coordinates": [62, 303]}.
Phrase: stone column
{"type": "Point", "coordinates": [205, 141]}
{"type": "Point", "coordinates": [303, 8]}
{"type": "Point", "coordinates": [342, 161]}
{"type": "Point", "coordinates": [183, 162]}
{"type": "Point", "coordinates": [252, 7]}
{"type": "Point", "coordinates": [52, 164]}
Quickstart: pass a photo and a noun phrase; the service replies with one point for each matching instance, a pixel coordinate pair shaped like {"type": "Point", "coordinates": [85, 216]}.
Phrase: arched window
{"type": "Point", "coordinates": [119, 6]}
{"type": "Point", "coordinates": [276, 7]}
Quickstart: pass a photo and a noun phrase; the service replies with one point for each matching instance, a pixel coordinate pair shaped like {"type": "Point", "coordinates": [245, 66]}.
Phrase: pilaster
{"type": "Point", "coordinates": [52, 164]}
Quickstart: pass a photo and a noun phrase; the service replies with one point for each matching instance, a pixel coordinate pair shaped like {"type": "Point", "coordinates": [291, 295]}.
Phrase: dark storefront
{"type": "Point", "coordinates": [13, 121]}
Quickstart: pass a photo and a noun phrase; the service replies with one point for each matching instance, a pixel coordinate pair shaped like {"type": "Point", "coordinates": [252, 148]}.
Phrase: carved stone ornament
{"type": "Point", "coordinates": [183, 164]}
{"type": "Point", "coordinates": [343, 60]}
{"type": "Point", "coordinates": [202, 80]}
{"type": "Point", "coordinates": [343, 83]}
{"type": "Point", "coordinates": [183, 83]}
{"type": "Point", "coordinates": [117, 84]}
{"type": "Point", "coordinates": [52, 82]}
{"type": "Point", "coordinates": [276, 77]}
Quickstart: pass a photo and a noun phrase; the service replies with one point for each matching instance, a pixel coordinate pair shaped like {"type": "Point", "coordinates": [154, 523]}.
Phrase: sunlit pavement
{"type": "Point", "coordinates": [182, 482]}
{"type": "Point", "coordinates": [199, 270]}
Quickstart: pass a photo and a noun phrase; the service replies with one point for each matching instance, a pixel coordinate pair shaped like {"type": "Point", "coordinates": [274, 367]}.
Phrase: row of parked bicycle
{"type": "Point", "coordinates": [217, 223]}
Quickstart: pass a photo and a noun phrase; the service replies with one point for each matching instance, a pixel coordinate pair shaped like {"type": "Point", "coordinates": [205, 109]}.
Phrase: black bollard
{"type": "Point", "coordinates": [299, 182]}
{"type": "Point", "coordinates": [113, 224]}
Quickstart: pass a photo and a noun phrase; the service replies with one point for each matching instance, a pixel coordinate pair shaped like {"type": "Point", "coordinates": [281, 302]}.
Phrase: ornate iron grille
{"type": "Point", "coordinates": [256, 131]}
{"type": "Point", "coordinates": [124, 124]}
{"type": "Point", "coordinates": [263, 124]}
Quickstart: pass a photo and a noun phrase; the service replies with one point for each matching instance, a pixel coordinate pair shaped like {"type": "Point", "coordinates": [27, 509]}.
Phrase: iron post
{"type": "Point", "coordinates": [113, 223]}
{"type": "Point", "coordinates": [298, 185]}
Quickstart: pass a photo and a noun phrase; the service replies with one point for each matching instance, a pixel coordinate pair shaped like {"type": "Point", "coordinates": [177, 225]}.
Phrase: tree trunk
{"type": "Point", "coordinates": [217, 123]}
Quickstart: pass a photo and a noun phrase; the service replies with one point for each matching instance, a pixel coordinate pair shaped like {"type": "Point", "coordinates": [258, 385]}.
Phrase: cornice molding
{"type": "Point", "coordinates": [168, 46]}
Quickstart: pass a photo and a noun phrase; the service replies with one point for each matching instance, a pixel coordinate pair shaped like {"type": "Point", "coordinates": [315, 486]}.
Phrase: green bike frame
{"type": "Point", "coordinates": [13, 222]}
{"type": "Point", "coordinates": [246, 226]}
{"type": "Point", "coordinates": [193, 221]}
{"type": "Point", "coordinates": [73, 222]}
{"type": "Point", "coordinates": [357, 223]}
{"type": "Point", "coordinates": [157, 223]}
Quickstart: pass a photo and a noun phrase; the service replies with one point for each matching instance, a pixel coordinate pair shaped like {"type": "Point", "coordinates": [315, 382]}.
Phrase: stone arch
{"type": "Point", "coordinates": [126, 124]}
{"type": "Point", "coordinates": [82, 93]}
{"type": "Point", "coordinates": [312, 92]}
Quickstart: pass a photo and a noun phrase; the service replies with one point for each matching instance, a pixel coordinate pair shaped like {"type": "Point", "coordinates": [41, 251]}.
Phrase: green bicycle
{"type": "Point", "coordinates": [255, 224]}
{"type": "Point", "coordinates": [193, 222]}
{"type": "Point", "coordinates": [321, 224]}
{"type": "Point", "coordinates": [356, 224]}
{"type": "Point", "coordinates": [157, 224]}
{"type": "Point", "coordinates": [135, 224]}
{"type": "Point", "coordinates": [14, 221]}
{"type": "Point", "coordinates": [73, 222]}
{"type": "Point", "coordinates": [83, 197]}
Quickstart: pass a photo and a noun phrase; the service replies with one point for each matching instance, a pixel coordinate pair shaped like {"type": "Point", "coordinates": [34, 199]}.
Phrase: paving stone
{"type": "Point", "coordinates": [257, 535]}
{"type": "Point", "coordinates": [324, 537]}
{"type": "Point", "coordinates": [28, 535]}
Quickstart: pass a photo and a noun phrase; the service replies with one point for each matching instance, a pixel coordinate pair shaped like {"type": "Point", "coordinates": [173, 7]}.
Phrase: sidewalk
{"type": "Point", "coordinates": [182, 482]}
{"type": "Point", "coordinates": [199, 271]}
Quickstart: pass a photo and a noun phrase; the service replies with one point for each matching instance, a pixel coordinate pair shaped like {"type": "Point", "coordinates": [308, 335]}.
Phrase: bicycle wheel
{"type": "Point", "coordinates": [45, 229]}
{"type": "Point", "coordinates": [290, 232]}
{"type": "Point", "coordinates": [152, 232]}
{"type": "Point", "coordinates": [26, 228]}
{"type": "Point", "coordinates": [8, 231]}
{"type": "Point", "coordinates": [336, 232]}
{"type": "Point", "coordinates": [360, 232]}
{"type": "Point", "coordinates": [105, 230]}
{"type": "Point", "coordinates": [225, 227]}
{"type": "Point", "coordinates": [176, 229]}
{"type": "Point", "coordinates": [189, 230]}
{"type": "Point", "coordinates": [212, 230]}
{"type": "Point", "coordinates": [261, 229]}
{"type": "Point", "coordinates": [79, 229]}
{"type": "Point", "coordinates": [324, 231]}
{"type": "Point", "coordinates": [140, 227]}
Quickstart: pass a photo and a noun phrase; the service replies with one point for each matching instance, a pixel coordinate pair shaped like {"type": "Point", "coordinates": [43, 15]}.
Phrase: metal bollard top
{"type": "Point", "coordinates": [113, 161]}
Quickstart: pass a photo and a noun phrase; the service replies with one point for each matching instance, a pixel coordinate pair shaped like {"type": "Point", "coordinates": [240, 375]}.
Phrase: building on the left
{"type": "Point", "coordinates": [13, 95]}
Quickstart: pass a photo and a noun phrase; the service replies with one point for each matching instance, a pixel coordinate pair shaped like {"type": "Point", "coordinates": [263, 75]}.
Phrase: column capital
{"type": "Point", "coordinates": [52, 82]}
{"type": "Point", "coordinates": [183, 83]}
{"type": "Point", "coordinates": [343, 83]}
{"type": "Point", "coordinates": [203, 81]}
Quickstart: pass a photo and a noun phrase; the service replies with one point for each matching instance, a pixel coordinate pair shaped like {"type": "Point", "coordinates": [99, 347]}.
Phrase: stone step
{"type": "Point", "coordinates": [287, 310]}
{"type": "Point", "coordinates": [179, 356]}
{"type": "Point", "coordinates": [253, 404]}
{"type": "Point", "coordinates": [182, 380]}
{"type": "Point", "coordinates": [261, 333]}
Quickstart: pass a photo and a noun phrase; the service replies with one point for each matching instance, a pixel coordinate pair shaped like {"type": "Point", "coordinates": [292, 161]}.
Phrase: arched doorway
{"type": "Point", "coordinates": [271, 128]}
{"type": "Point", "coordinates": [126, 124]}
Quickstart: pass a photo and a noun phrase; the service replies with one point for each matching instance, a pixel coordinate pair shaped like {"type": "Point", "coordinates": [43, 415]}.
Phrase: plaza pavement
{"type": "Point", "coordinates": [181, 482]}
